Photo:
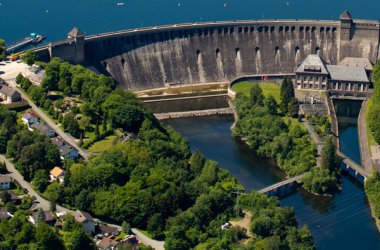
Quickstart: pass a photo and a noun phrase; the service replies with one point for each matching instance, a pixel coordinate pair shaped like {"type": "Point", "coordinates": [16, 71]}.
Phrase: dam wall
{"type": "Point", "coordinates": [170, 55]}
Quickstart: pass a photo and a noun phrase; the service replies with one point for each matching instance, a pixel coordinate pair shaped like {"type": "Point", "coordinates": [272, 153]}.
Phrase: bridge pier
{"type": "Point", "coordinates": [359, 177]}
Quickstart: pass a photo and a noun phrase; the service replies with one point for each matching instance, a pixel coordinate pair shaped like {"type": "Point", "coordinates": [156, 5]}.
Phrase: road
{"type": "Point", "coordinates": [69, 139]}
{"type": "Point", "coordinates": [316, 140]}
{"type": "Point", "coordinates": [11, 70]}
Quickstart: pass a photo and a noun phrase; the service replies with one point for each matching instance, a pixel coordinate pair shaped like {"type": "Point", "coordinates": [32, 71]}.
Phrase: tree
{"type": "Point", "coordinates": [29, 57]}
{"type": "Point", "coordinates": [25, 84]}
{"type": "Point", "coordinates": [3, 49]}
{"type": "Point", "coordinates": [77, 240]}
{"type": "Point", "coordinates": [40, 180]}
{"type": "Point", "coordinates": [287, 94]}
{"type": "Point", "coordinates": [46, 237]}
{"type": "Point", "coordinates": [256, 95]}
{"type": "Point", "coordinates": [330, 161]}
{"type": "Point", "coordinates": [126, 227]}
{"type": "Point", "coordinates": [19, 79]}
{"type": "Point", "coordinates": [155, 226]}
{"type": "Point", "coordinates": [374, 121]}
{"type": "Point", "coordinates": [293, 107]}
{"type": "Point", "coordinates": [271, 104]}
{"type": "Point", "coordinates": [197, 161]}
{"type": "Point", "coordinates": [71, 125]}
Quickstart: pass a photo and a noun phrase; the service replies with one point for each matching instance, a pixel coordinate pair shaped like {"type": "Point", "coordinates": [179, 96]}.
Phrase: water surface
{"type": "Point", "coordinates": [55, 18]}
{"type": "Point", "coordinates": [212, 136]}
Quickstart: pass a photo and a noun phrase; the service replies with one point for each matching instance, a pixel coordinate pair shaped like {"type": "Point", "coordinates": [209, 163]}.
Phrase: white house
{"type": "Point", "coordinates": [29, 118]}
{"type": "Point", "coordinates": [57, 174]}
{"type": "Point", "coordinates": [85, 219]}
{"type": "Point", "coordinates": [5, 182]}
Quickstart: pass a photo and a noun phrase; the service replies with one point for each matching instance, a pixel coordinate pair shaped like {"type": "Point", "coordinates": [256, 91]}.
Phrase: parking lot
{"type": "Point", "coordinates": [10, 70]}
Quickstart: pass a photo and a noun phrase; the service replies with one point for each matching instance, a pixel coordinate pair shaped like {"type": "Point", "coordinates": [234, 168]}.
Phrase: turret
{"type": "Point", "coordinates": [345, 26]}
{"type": "Point", "coordinates": [78, 36]}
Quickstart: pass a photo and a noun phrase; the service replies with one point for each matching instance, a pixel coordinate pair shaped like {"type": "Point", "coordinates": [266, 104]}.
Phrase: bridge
{"type": "Point", "coordinates": [283, 188]}
{"type": "Point", "coordinates": [352, 168]}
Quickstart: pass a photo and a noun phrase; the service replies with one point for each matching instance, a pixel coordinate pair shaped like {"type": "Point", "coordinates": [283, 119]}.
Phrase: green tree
{"type": "Point", "coordinates": [29, 57]}
{"type": "Point", "coordinates": [256, 95]}
{"type": "Point", "coordinates": [77, 240]}
{"type": "Point", "coordinates": [3, 49]}
{"type": "Point", "coordinates": [197, 161]}
{"type": "Point", "coordinates": [155, 226]}
{"type": "Point", "coordinates": [40, 180]}
{"type": "Point", "coordinates": [287, 94]}
{"type": "Point", "coordinates": [271, 104]}
{"type": "Point", "coordinates": [19, 79]}
{"type": "Point", "coordinates": [293, 107]}
{"type": "Point", "coordinates": [46, 237]}
{"type": "Point", "coordinates": [330, 161]}
{"type": "Point", "coordinates": [126, 227]}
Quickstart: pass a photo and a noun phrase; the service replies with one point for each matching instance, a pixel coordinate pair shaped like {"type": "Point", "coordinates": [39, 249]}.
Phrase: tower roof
{"type": "Point", "coordinates": [75, 32]}
{"type": "Point", "coordinates": [346, 15]}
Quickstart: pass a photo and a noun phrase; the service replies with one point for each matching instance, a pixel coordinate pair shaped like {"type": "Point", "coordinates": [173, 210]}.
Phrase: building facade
{"type": "Point", "coordinates": [339, 80]}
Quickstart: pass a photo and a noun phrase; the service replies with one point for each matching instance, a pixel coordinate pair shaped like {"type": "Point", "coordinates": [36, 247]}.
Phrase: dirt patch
{"type": "Point", "coordinates": [244, 223]}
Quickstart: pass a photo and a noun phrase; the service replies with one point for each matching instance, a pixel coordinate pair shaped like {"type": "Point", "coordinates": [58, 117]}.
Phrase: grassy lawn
{"type": "Point", "coordinates": [269, 88]}
{"type": "Point", "coordinates": [146, 233]}
{"type": "Point", "coordinates": [293, 121]}
{"type": "Point", "coordinates": [102, 145]}
{"type": "Point", "coordinates": [121, 236]}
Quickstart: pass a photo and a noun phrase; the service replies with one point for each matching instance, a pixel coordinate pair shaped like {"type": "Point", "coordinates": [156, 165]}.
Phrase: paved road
{"type": "Point", "coordinates": [57, 129]}
{"type": "Point", "coordinates": [68, 138]}
{"type": "Point", "coordinates": [155, 244]}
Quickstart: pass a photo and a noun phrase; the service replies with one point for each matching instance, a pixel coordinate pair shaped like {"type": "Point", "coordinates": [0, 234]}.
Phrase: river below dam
{"type": "Point", "coordinates": [340, 222]}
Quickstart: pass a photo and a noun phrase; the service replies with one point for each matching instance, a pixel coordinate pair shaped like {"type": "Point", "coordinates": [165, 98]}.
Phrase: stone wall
{"type": "Point", "coordinates": [187, 104]}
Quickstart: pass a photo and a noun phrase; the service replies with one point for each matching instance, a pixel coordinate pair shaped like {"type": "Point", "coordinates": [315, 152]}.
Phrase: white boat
{"type": "Point", "coordinates": [120, 4]}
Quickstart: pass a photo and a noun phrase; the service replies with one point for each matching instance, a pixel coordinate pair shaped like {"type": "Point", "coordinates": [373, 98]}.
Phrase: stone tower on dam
{"type": "Point", "coordinates": [160, 56]}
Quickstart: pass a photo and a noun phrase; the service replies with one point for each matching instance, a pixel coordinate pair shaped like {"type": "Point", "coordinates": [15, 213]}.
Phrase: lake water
{"type": "Point", "coordinates": [340, 222]}
{"type": "Point", "coordinates": [55, 18]}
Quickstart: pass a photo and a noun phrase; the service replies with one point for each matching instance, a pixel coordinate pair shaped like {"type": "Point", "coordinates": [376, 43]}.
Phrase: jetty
{"type": "Point", "coordinates": [33, 38]}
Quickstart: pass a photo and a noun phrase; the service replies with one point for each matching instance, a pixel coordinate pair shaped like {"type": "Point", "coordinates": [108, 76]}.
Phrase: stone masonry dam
{"type": "Point", "coordinates": [163, 56]}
